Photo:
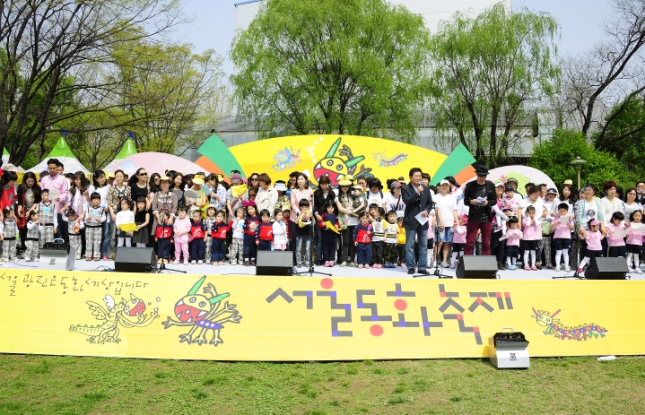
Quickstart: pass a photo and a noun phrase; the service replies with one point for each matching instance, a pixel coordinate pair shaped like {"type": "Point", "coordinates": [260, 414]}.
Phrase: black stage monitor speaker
{"type": "Point", "coordinates": [607, 269]}
{"type": "Point", "coordinates": [134, 259]}
{"type": "Point", "coordinates": [477, 267]}
{"type": "Point", "coordinates": [274, 263]}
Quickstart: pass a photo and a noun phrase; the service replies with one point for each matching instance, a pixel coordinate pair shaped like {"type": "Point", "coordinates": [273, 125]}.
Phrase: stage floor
{"type": "Point", "coordinates": [337, 271]}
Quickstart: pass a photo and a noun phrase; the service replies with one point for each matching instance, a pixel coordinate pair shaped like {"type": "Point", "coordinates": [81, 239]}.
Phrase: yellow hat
{"type": "Point", "coordinates": [198, 180]}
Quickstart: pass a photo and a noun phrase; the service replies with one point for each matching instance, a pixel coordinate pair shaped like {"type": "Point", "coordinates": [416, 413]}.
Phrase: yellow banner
{"type": "Point", "coordinates": [303, 318]}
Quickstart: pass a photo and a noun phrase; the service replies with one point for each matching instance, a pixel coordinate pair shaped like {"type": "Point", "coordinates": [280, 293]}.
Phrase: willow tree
{"type": "Point", "coordinates": [490, 71]}
{"type": "Point", "coordinates": [335, 66]}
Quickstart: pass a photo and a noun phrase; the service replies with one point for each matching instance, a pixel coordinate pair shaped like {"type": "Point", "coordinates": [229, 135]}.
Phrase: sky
{"type": "Point", "coordinates": [213, 26]}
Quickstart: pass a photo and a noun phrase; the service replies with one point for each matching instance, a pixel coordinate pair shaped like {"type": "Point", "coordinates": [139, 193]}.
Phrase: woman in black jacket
{"type": "Point", "coordinates": [322, 195]}
{"type": "Point", "coordinates": [28, 195]}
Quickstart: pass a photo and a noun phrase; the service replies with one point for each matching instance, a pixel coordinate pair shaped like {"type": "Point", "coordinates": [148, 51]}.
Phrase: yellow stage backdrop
{"type": "Point", "coordinates": [302, 318]}
{"type": "Point", "coordinates": [336, 157]}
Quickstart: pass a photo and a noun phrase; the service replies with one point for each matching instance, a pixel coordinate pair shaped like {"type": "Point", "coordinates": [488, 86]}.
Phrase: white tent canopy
{"type": "Point", "coordinates": [61, 152]}
{"type": "Point", "coordinates": [5, 160]}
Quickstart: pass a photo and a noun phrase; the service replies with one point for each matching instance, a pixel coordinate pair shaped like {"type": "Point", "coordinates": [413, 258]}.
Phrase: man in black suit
{"type": "Point", "coordinates": [479, 196]}
{"type": "Point", "coordinates": [417, 200]}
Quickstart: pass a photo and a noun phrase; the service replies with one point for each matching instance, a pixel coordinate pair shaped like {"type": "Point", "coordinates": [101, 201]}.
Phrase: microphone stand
{"type": "Point", "coordinates": [437, 272]}
{"type": "Point", "coordinates": [311, 271]}
{"type": "Point", "coordinates": [575, 250]}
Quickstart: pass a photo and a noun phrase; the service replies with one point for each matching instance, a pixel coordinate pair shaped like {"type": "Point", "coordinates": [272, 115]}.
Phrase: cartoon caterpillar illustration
{"type": "Point", "coordinates": [579, 333]}
{"type": "Point", "coordinates": [384, 162]}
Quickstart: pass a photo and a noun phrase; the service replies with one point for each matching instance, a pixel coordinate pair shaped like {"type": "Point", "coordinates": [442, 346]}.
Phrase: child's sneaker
{"type": "Point", "coordinates": [352, 264]}
{"type": "Point", "coordinates": [247, 263]}
{"type": "Point", "coordinates": [453, 265]}
{"type": "Point", "coordinates": [557, 268]}
{"type": "Point", "coordinates": [638, 270]}
{"type": "Point", "coordinates": [579, 270]}
{"type": "Point", "coordinates": [534, 268]}
{"type": "Point", "coordinates": [105, 258]}
{"type": "Point", "coordinates": [193, 262]}
{"type": "Point", "coordinates": [185, 262]}
{"type": "Point", "coordinates": [343, 264]}
{"type": "Point", "coordinates": [527, 268]}
{"type": "Point", "coordinates": [221, 263]}
{"type": "Point", "coordinates": [332, 263]}
{"type": "Point", "coordinates": [567, 268]}
{"type": "Point", "coordinates": [215, 263]}
{"type": "Point", "coordinates": [326, 263]}
{"type": "Point", "coordinates": [360, 266]}
{"type": "Point", "coordinates": [200, 262]}
{"type": "Point", "coordinates": [233, 262]}
{"type": "Point", "coordinates": [549, 266]}
{"type": "Point", "coordinates": [367, 267]}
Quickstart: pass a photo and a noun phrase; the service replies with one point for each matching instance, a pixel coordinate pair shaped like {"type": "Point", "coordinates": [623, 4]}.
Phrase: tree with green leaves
{"type": "Point", "coordinates": [45, 43]}
{"type": "Point", "coordinates": [490, 71]}
{"type": "Point", "coordinates": [335, 66]}
{"type": "Point", "coordinates": [166, 92]}
{"type": "Point", "coordinates": [623, 134]}
{"type": "Point", "coordinates": [554, 157]}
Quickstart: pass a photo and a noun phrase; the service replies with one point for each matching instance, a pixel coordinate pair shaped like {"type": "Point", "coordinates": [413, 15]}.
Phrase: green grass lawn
{"type": "Point", "coordinates": [78, 385]}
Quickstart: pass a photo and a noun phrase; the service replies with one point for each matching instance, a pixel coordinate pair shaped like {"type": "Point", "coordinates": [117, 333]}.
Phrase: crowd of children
{"type": "Point", "coordinates": [356, 224]}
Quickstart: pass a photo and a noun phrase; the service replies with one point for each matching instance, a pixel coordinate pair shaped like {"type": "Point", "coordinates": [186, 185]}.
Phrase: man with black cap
{"type": "Point", "coordinates": [418, 201]}
{"type": "Point", "coordinates": [480, 196]}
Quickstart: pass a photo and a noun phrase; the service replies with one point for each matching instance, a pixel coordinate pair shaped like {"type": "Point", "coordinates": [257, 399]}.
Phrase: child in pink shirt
{"type": "Point", "coordinates": [561, 227]}
{"type": "Point", "coordinates": [512, 237]}
{"type": "Point", "coordinates": [616, 244]}
{"type": "Point", "coordinates": [182, 234]}
{"type": "Point", "coordinates": [594, 248]}
{"type": "Point", "coordinates": [458, 240]}
{"type": "Point", "coordinates": [635, 241]}
{"type": "Point", "coordinates": [532, 236]}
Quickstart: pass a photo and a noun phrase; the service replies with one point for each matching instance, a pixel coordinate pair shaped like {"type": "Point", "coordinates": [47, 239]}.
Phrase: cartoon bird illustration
{"type": "Point", "coordinates": [286, 159]}
{"type": "Point", "coordinates": [116, 314]}
{"type": "Point", "coordinates": [203, 312]}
